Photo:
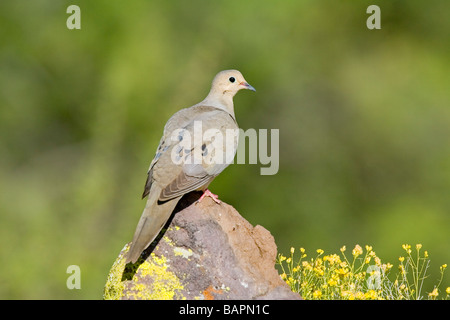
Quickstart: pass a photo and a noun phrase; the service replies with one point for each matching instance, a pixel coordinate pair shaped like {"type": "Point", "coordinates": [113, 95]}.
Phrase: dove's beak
{"type": "Point", "coordinates": [247, 86]}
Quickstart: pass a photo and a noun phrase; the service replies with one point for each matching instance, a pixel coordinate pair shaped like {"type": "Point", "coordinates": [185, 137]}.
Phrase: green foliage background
{"type": "Point", "coordinates": [364, 119]}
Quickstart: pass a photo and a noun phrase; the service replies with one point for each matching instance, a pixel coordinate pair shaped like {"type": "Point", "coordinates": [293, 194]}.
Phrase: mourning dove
{"type": "Point", "coordinates": [195, 147]}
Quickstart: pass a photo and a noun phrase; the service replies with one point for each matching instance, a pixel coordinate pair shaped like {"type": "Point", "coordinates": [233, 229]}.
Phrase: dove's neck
{"type": "Point", "coordinates": [221, 101]}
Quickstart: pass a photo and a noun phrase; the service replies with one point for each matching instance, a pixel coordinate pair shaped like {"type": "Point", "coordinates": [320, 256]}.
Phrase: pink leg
{"type": "Point", "coordinates": [208, 193]}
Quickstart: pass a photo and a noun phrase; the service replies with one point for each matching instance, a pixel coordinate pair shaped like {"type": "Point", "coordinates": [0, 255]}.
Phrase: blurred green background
{"type": "Point", "coordinates": [364, 119]}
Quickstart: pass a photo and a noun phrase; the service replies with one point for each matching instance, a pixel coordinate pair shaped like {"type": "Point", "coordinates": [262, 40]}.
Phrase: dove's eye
{"type": "Point", "coordinates": [232, 79]}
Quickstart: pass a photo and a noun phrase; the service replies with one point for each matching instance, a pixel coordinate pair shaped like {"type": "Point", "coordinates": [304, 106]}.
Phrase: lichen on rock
{"type": "Point", "coordinates": [150, 280]}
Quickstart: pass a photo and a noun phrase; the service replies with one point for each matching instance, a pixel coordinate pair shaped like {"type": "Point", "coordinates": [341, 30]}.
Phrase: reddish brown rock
{"type": "Point", "coordinates": [209, 251]}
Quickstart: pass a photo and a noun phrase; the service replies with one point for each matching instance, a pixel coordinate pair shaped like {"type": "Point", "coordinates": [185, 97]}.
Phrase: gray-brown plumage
{"type": "Point", "coordinates": [198, 143]}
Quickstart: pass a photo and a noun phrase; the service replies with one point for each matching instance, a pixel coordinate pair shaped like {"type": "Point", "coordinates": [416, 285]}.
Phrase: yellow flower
{"type": "Point", "coordinates": [332, 259]}
{"type": "Point", "coordinates": [360, 276]}
{"type": "Point", "coordinates": [402, 269]}
{"type": "Point", "coordinates": [307, 265]}
{"type": "Point", "coordinates": [332, 282]}
{"type": "Point", "coordinates": [357, 250]}
{"type": "Point", "coordinates": [447, 290]}
{"type": "Point", "coordinates": [327, 276]}
{"type": "Point", "coordinates": [342, 271]}
{"type": "Point", "coordinates": [377, 261]}
{"type": "Point", "coordinates": [406, 247]}
{"type": "Point", "coordinates": [318, 262]}
{"type": "Point", "coordinates": [319, 271]}
{"type": "Point", "coordinates": [371, 294]}
{"type": "Point", "coordinates": [317, 294]}
{"type": "Point", "coordinates": [348, 295]}
{"type": "Point", "coordinates": [359, 295]}
{"type": "Point", "coordinates": [433, 294]}
{"type": "Point", "coordinates": [386, 267]}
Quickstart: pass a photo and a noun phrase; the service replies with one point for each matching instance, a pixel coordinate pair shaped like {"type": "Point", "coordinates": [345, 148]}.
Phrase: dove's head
{"type": "Point", "coordinates": [224, 86]}
{"type": "Point", "coordinates": [229, 82]}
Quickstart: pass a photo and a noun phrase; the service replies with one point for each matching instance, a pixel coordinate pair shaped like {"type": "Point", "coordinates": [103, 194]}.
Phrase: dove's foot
{"type": "Point", "coordinates": [208, 193]}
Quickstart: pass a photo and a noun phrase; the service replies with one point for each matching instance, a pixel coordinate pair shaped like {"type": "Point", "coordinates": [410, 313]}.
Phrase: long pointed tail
{"type": "Point", "coordinates": [150, 224]}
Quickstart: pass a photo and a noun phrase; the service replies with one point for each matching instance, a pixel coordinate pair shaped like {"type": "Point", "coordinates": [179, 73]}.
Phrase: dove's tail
{"type": "Point", "coordinates": [152, 220]}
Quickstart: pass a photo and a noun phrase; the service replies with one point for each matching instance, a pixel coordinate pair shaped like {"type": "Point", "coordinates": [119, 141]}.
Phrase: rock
{"type": "Point", "coordinates": [209, 251]}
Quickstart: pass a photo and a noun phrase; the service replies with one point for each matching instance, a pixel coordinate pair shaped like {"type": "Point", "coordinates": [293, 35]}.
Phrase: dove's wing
{"type": "Point", "coordinates": [195, 148]}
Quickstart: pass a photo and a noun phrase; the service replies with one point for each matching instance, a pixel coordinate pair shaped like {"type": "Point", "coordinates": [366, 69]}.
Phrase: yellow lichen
{"type": "Point", "coordinates": [114, 286]}
{"type": "Point", "coordinates": [168, 241]}
{"type": "Point", "coordinates": [165, 285]}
